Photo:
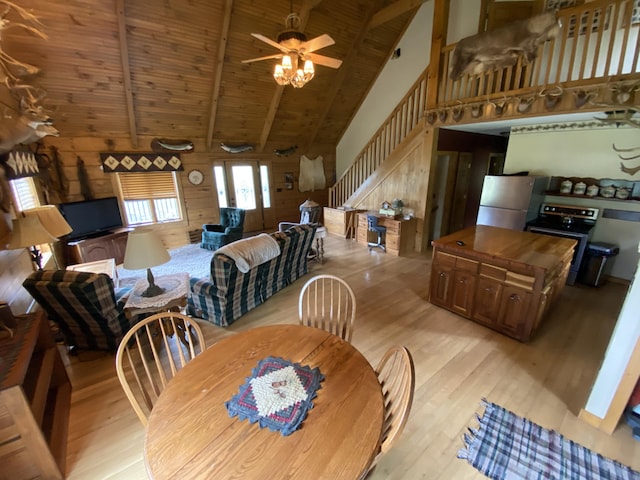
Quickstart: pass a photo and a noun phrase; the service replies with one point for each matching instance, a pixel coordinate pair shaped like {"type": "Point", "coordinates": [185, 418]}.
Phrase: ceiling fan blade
{"type": "Point", "coordinates": [316, 43]}
{"type": "Point", "coordinates": [322, 60]}
{"type": "Point", "coordinates": [277, 55]}
{"type": "Point", "coordinates": [270, 42]}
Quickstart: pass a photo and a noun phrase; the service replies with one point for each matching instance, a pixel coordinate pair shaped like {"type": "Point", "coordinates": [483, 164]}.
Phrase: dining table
{"type": "Point", "coordinates": [191, 434]}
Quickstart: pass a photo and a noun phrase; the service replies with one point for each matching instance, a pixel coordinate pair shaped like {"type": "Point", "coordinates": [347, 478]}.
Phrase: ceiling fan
{"type": "Point", "coordinates": [294, 49]}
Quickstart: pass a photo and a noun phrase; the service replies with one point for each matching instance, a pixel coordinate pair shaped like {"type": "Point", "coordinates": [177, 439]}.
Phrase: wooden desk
{"type": "Point", "coordinates": [191, 436]}
{"type": "Point", "coordinates": [341, 221]}
{"type": "Point", "coordinates": [400, 237]}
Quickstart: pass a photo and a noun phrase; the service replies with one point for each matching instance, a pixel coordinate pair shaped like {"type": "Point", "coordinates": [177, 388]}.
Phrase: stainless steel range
{"type": "Point", "coordinates": [567, 221]}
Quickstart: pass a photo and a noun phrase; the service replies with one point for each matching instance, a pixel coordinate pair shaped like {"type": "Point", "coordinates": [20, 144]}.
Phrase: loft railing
{"type": "Point", "coordinates": [599, 43]}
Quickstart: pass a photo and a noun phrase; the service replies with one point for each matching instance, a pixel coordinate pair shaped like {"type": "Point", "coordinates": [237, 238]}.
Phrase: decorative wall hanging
{"type": "Point", "coordinates": [141, 162]}
{"type": "Point", "coordinates": [83, 178]}
{"type": "Point", "coordinates": [161, 145]}
{"type": "Point", "coordinates": [243, 147]}
{"type": "Point", "coordinates": [19, 163]}
{"type": "Point", "coordinates": [285, 151]}
{"type": "Point", "coordinates": [311, 174]}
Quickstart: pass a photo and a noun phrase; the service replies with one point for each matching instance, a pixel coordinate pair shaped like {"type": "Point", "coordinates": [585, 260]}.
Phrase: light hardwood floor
{"type": "Point", "coordinates": [457, 364]}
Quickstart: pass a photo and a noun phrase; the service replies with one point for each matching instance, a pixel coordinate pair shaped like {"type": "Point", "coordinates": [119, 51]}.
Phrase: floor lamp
{"type": "Point", "coordinates": [145, 250]}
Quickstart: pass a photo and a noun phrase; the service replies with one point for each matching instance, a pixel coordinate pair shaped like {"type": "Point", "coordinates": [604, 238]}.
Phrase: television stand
{"type": "Point", "coordinates": [102, 247]}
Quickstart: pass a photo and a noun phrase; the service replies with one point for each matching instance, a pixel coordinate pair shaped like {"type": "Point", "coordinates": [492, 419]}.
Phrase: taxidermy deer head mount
{"type": "Point", "coordinates": [30, 124]}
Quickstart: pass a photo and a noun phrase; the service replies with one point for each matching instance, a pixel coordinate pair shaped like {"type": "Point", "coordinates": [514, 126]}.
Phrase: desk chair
{"type": "Point", "coordinates": [379, 230]}
{"type": "Point", "coordinates": [151, 353]}
{"type": "Point", "coordinates": [396, 374]}
{"type": "Point", "coordinates": [328, 302]}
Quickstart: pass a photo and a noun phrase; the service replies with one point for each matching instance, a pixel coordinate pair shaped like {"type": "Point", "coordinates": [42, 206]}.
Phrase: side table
{"type": "Point", "coordinates": [176, 287]}
{"type": "Point", "coordinates": [174, 298]}
{"type": "Point", "coordinates": [321, 233]}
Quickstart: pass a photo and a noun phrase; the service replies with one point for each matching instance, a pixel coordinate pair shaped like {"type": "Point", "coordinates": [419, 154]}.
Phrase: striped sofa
{"type": "Point", "coordinates": [85, 306]}
{"type": "Point", "coordinates": [229, 293]}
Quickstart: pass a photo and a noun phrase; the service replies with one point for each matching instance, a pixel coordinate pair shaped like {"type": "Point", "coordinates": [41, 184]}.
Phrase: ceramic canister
{"type": "Point", "coordinates": [579, 188]}
{"type": "Point", "coordinates": [608, 191]}
{"type": "Point", "coordinates": [592, 190]}
{"type": "Point", "coordinates": [565, 186]}
{"type": "Point", "coordinates": [622, 193]}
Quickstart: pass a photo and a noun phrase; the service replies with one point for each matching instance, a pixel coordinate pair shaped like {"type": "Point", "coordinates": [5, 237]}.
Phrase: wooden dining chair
{"type": "Point", "coordinates": [328, 302]}
{"type": "Point", "coordinates": [151, 353]}
{"type": "Point", "coordinates": [396, 374]}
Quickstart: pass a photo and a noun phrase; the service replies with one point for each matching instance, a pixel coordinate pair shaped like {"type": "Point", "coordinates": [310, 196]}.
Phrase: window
{"type": "Point", "coordinates": [24, 193]}
{"type": "Point", "coordinates": [150, 197]}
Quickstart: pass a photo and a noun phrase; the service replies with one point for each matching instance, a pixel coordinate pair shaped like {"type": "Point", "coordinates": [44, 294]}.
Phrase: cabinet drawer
{"type": "Point", "coordinates": [491, 271]}
{"type": "Point", "coordinates": [466, 264]}
{"type": "Point", "coordinates": [445, 258]}
{"type": "Point", "coordinates": [518, 280]}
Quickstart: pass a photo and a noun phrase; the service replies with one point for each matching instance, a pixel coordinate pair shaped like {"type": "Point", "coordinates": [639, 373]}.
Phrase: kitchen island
{"type": "Point", "coordinates": [504, 279]}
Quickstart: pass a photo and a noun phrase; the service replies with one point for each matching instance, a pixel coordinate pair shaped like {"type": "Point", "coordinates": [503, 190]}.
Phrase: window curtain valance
{"type": "Point", "coordinates": [140, 162]}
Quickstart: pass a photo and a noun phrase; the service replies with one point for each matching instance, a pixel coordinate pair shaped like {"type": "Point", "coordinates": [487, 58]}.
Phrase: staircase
{"type": "Point", "coordinates": [592, 67]}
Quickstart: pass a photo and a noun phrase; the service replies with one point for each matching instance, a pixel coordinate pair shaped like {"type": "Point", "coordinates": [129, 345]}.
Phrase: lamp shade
{"type": "Point", "coordinates": [51, 218]}
{"type": "Point", "coordinates": [29, 231]}
{"type": "Point", "coordinates": [144, 250]}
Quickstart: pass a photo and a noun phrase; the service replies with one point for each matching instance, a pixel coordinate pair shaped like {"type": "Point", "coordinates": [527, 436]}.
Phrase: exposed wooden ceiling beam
{"type": "Point", "coordinates": [340, 77]}
{"type": "Point", "coordinates": [392, 11]}
{"type": "Point", "coordinates": [215, 91]}
{"type": "Point", "coordinates": [275, 101]}
{"type": "Point", "coordinates": [126, 71]}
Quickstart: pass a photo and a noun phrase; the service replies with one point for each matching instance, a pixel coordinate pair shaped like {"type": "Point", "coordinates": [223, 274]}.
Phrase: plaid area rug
{"type": "Point", "coordinates": [508, 447]}
{"type": "Point", "coordinates": [277, 395]}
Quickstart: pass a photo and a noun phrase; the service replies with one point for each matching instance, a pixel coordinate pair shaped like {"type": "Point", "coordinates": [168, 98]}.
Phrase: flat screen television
{"type": "Point", "coordinates": [91, 218]}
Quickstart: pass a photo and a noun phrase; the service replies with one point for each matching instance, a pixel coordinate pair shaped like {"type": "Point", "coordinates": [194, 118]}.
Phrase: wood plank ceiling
{"type": "Point", "coordinates": [172, 69]}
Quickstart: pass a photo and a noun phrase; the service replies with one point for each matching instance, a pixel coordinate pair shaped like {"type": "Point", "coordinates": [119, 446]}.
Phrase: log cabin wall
{"type": "Point", "coordinates": [200, 202]}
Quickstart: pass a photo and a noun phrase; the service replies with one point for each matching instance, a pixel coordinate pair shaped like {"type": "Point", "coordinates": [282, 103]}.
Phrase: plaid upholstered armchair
{"type": "Point", "coordinates": [84, 305]}
{"type": "Point", "coordinates": [229, 229]}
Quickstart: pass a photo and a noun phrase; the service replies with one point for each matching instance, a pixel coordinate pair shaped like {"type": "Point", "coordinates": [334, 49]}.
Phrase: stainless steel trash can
{"type": "Point", "coordinates": [596, 257]}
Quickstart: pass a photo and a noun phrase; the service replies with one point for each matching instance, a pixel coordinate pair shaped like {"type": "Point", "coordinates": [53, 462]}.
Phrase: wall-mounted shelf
{"type": "Point", "coordinates": [632, 185]}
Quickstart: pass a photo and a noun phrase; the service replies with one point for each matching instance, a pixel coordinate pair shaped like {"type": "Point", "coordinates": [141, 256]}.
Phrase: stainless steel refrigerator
{"type": "Point", "coordinates": [510, 201]}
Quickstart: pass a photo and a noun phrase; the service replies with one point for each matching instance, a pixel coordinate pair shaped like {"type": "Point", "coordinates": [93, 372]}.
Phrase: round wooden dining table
{"type": "Point", "coordinates": [190, 434]}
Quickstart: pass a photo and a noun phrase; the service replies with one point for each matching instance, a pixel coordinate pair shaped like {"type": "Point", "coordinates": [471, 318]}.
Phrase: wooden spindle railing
{"type": "Point", "coordinates": [578, 57]}
{"type": "Point", "coordinates": [393, 131]}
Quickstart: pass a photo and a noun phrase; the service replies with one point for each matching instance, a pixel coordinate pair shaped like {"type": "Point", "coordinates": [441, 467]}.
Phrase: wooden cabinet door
{"type": "Point", "coordinates": [441, 291]}
{"type": "Point", "coordinates": [96, 250]}
{"type": "Point", "coordinates": [464, 285]}
{"type": "Point", "coordinates": [487, 301]}
{"type": "Point", "coordinates": [119, 246]}
{"type": "Point", "coordinates": [514, 310]}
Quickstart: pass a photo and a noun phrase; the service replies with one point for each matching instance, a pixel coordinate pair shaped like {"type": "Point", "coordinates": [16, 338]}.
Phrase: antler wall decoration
{"type": "Point", "coordinates": [623, 167]}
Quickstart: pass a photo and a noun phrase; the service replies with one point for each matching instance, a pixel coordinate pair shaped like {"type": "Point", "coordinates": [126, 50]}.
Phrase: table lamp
{"type": "Point", "coordinates": [145, 250]}
{"type": "Point", "coordinates": [29, 232]}
{"type": "Point", "coordinates": [53, 222]}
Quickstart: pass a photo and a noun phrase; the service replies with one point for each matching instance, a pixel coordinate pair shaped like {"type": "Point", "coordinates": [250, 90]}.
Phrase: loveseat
{"type": "Point", "coordinates": [229, 293]}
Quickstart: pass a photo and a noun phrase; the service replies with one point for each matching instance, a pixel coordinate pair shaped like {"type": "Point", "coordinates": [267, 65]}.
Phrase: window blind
{"type": "Point", "coordinates": [148, 185]}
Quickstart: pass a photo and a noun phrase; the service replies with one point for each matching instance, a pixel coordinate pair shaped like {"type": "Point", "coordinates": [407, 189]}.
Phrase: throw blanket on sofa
{"type": "Point", "coordinates": [251, 252]}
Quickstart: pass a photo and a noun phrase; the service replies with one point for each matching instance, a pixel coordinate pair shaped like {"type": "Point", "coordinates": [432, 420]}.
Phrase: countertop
{"type": "Point", "coordinates": [491, 243]}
